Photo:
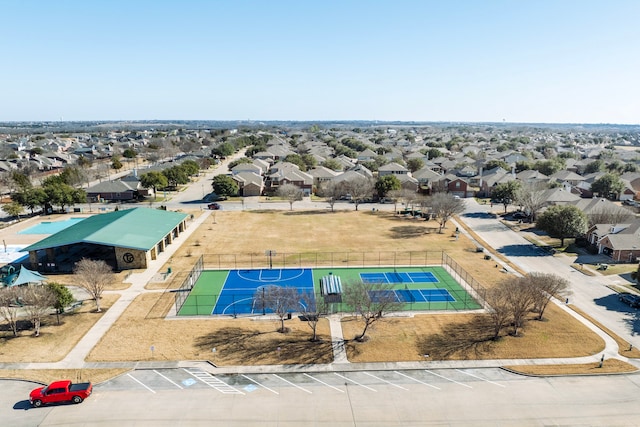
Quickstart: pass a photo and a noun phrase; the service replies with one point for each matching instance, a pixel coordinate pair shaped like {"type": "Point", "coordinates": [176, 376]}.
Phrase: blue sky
{"type": "Point", "coordinates": [518, 61]}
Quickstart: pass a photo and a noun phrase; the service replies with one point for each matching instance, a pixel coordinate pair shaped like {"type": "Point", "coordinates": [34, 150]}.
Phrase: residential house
{"type": "Point", "coordinates": [566, 177]}
{"type": "Point", "coordinates": [597, 208]}
{"type": "Point", "coordinates": [460, 187]}
{"type": "Point", "coordinates": [321, 175]}
{"type": "Point", "coordinates": [265, 155]}
{"type": "Point", "coordinates": [367, 155]}
{"type": "Point", "coordinates": [112, 191]}
{"type": "Point", "coordinates": [246, 167]}
{"type": "Point", "coordinates": [425, 177]}
{"type": "Point", "coordinates": [532, 177]}
{"type": "Point", "coordinates": [249, 183]}
{"type": "Point", "coordinates": [392, 168]}
{"type": "Point", "coordinates": [287, 173]}
{"type": "Point", "coordinates": [559, 196]}
{"type": "Point", "coordinates": [408, 182]}
{"type": "Point", "coordinates": [619, 241]}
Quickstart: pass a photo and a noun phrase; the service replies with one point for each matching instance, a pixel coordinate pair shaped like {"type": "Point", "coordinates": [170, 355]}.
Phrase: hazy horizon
{"type": "Point", "coordinates": [545, 62]}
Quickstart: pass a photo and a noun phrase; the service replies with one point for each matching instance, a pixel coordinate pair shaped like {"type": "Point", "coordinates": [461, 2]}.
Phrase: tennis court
{"type": "Point", "coordinates": [237, 292]}
{"type": "Point", "coordinates": [415, 295]}
{"type": "Point", "coordinates": [395, 277]}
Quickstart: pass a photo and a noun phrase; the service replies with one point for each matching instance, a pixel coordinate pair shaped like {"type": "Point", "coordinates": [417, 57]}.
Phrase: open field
{"type": "Point", "coordinates": [462, 336]}
{"type": "Point", "coordinates": [391, 339]}
{"type": "Point", "coordinates": [253, 341]}
{"type": "Point", "coordinates": [236, 341]}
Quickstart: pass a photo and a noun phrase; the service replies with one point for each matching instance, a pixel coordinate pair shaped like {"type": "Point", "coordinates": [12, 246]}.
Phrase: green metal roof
{"type": "Point", "coordinates": [139, 228]}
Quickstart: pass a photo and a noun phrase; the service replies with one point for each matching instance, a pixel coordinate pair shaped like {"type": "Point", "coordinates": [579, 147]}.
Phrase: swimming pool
{"type": "Point", "coordinates": [51, 227]}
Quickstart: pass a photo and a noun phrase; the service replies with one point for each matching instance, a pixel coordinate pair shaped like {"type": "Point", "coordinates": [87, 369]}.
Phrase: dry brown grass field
{"type": "Point", "coordinates": [236, 341]}
{"type": "Point", "coordinates": [55, 341]}
{"type": "Point", "coordinates": [46, 376]}
{"type": "Point", "coordinates": [611, 366]}
{"type": "Point", "coordinates": [253, 341]}
{"type": "Point", "coordinates": [392, 339]}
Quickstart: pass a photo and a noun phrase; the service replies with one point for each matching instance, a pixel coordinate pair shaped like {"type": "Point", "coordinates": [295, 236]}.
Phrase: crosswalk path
{"type": "Point", "coordinates": [212, 381]}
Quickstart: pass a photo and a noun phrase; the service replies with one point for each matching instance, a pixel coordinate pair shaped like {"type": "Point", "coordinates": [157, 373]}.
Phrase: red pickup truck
{"type": "Point", "coordinates": [60, 391]}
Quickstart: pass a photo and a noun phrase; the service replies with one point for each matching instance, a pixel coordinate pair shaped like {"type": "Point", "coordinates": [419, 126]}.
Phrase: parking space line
{"type": "Point", "coordinates": [140, 382]}
{"type": "Point", "coordinates": [322, 382]}
{"type": "Point", "coordinates": [261, 385]}
{"type": "Point", "coordinates": [355, 382]}
{"type": "Point", "coordinates": [448, 379]}
{"type": "Point", "coordinates": [385, 381]}
{"type": "Point", "coordinates": [480, 378]}
{"type": "Point", "coordinates": [168, 379]}
{"type": "Point", "coordinates": [416, 380]}
{"type": "Point", "coordinates": [289, 382]}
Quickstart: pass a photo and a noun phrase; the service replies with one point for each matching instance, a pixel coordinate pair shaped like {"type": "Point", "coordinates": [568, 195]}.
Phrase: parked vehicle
{"type": "Point", "coordinates": [519, 215]}
{"type": "Point", "coordinates": [213, 197]}
{"type": "Point", "coordinates": [60, 391]}
{"type": "Point", "coordinates": [214, 206]}
{"type": "Point", "coordinates": [630, 299]}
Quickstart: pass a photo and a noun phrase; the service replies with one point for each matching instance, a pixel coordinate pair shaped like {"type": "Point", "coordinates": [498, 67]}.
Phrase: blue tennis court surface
{"type": "Point", "coordinates": [414, 295]}
{"type": "Point", "coordinates": [394, 277]}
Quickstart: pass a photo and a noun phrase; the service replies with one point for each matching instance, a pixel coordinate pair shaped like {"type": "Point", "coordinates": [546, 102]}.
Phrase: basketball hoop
{"type": "Point", "coordinates": [270, 253]}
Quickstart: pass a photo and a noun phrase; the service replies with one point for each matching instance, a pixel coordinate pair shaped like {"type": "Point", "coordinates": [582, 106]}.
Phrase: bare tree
{"type": "Point", "coordinates": [520, 299]}
{"type": "Point", "coordinates": [395, 196]}
{"type": "Point", "coordinates": [360, 188]}
{"type": "Point", "coordinates": [610, 215]}
{"type": "Point", "coordinates": [544, 287]}
{"type": "Point", "coordinates": [530, 196]}
{"type": "Point", "coordinates": [312, 307]}
{"type": "Point", "coordinates": [332, 192]}
{"type": "Point", "coordinates": [499, 311]}
{"type": "Point", "coordinates": [38, 300]}
{"type": "Point", "coordinates": [281, 300]}
{"type": "Point", "coordinates": [291, 193]}
{"type": "Point", "coordinates": [93, 276]}
{"type": "Point", "coordinates": [444, 206]}
{"type": "Point", "coordinates": [409, 197]}
{"type": "Point", "coordinates": [370, 300]}
{"type": "Point", "coordinates": [10, 298]}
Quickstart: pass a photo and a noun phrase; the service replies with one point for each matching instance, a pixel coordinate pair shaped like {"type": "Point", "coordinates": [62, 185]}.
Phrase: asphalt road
{"type": "Point", "coordinates": [452, 397]}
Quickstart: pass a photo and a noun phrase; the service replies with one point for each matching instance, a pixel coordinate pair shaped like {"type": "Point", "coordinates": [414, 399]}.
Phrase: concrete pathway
{"type": "Point", "coordinates": [337, 340]}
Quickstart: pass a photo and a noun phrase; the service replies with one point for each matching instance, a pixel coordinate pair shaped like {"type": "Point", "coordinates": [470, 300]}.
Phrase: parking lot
{"type": "Point", "coordinates": [418, 397]}
{"type": "Point", "coordinates": [157, 381]}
